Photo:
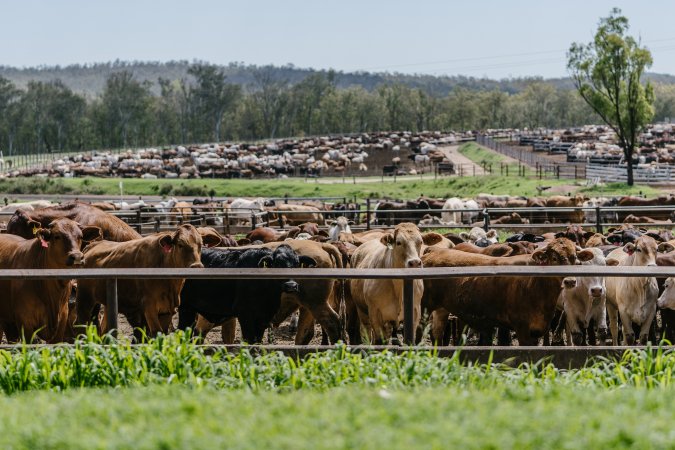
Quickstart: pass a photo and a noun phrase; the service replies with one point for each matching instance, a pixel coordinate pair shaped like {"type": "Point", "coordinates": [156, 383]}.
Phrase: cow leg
{"type": "Point", "coordinates": [353, 323]}
{"type": "Point", "coordinates": [590, 330]}
{"type": "Point", "coordinates": [646, 329]}
{"type": "Point", "coordinates": [381, 326]}
{"type": "Point", "coordinates": [61, 325]}
{"type": "Point", "coordinates": [187, 317]}
{"type": "Point", "coordinates": [151, 316]}
{"type": "Point", "coordinates": [329, 320]}
{"type": "Point", "coordinates": [202, 326]}
{"type": "Point", "coordinates": [305, 331]}
{"type": "Point", "coordinates": [228, 331]}
{"type": "Point", "coordinates": [439, 321]}
{"type": "Point", "coordinates": [558, 328]}
{"type": "Point", "coordinates": [524, 336]}
{"type": "Point", "coordinates": [486, 337]}
{"type": "Point", "coordinates": [613, 323]}
{"type": "Point", "coordinates": [503, 337]}
{"type": "Point", "coordinates": [627, 328]}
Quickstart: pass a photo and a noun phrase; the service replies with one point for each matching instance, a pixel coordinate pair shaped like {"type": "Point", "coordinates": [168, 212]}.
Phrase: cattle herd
{"type": "Point", "coordinates": [574, 310]}
{"type": "Point", "coordinates": [329, 155]}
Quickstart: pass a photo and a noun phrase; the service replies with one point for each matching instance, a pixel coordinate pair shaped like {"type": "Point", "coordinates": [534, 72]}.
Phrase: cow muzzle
{"type": "Point", "coordinates": [75, 259]}
{"type": "Point", "coordinates": [197, 265]}
{"type": "Point", "coordinates": [290, 287]}
{"type": "Point", "coordinates": [413, 263]}
{"type": "Point", "coordinates": [596, 292]}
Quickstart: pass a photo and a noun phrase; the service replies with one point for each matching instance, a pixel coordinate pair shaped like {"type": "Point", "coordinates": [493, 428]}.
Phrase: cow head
{"type": "Point", "coordinates": [594, 286]}
{"type": "Point", "coordinates": [667, 298]}
{"type": "Point", "coordinates": [642, 251]}
{"type": "Point", "coordinates": [405, 244]}
{"type": "Point", "coordinates": [182, 248]}
{"type": "Point", "coordinates": [559, 252]}
{"type": "Point", "coordinates": [62, 240]}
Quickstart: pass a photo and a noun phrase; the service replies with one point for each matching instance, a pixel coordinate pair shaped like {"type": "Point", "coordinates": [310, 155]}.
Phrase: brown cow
{"type": "Point", "coordinates": [502, 301]}
{"type": "Point", "coordinates": [631, 218]}
{"type": "Point", "coordinates": [561, 201]}
{"type": "Point", "coordinates": [31, 305]}
{"type": "Point", "coordinates": [506, 249]}
{"type": "Point", "coordinates": [639, 201]}
{"type": "Point", "coordinates": [295, 214]}
{"type": "Point", "coordinates": [113, 228]}
{"type": "Point", "coordinates": [145, 303]}
{"type": "Point", "coordinates": [263, 234]}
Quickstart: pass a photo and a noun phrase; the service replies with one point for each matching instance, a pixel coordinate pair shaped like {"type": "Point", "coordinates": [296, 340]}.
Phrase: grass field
{"type": "Point", "coordinates": [180, 417]}
{"type": "Point", "coordinates": [403, 188]}
{"type": "Point", "coordinates": [170, 394]}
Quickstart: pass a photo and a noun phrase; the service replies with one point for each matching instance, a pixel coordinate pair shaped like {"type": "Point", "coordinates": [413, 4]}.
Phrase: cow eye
{"type": "Point", "coordinates": [398, 243]}
{"type": "Point", "coordinates": [637, 249]}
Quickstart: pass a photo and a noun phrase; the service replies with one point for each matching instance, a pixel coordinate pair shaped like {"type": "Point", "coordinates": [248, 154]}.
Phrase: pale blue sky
{"type": "Point", "coordinates": [477, 38]}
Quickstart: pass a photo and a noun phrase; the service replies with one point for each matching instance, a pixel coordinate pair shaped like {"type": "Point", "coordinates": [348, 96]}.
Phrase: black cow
{"type": "Point", "coordinates": [253, 302]}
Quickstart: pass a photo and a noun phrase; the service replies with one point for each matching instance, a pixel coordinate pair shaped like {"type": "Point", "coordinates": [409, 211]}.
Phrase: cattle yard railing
{"type": "Point", "coordinates": [407, 276]}
{"type": "Point", "coordinates": [225, 219]}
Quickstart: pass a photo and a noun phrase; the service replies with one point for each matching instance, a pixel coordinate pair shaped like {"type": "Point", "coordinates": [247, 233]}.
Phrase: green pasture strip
{"type": "Point", "coordinates": [357, 417]}
{"type": "Point", "coordinates": [480, 155]}
{"type": "Point", "coordinates": [175, 359]}
{"type": "Point", "coordinates": [402, 188]}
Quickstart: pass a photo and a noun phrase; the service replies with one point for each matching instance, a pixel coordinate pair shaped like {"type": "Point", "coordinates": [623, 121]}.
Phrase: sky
{"type": "Point", "coordinates": [494, 39]}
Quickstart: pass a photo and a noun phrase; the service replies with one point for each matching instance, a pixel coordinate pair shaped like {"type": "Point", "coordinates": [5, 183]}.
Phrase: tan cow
{"type": "Point", "coordinates": [379, 302]}
{"type": "Point", "coordinates": [145, 303]}
{"type": "Point", "coordinates": [31, 305]}
{"type": "Point", "coordinates": [295, 214]}
{"type": "Point", "coordinates": [632, 298]}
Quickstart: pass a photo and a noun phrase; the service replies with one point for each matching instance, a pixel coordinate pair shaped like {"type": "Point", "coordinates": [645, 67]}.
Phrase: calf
{"type": "Point", "coordinates": [479, 237]}
{"type": "Point", "coordinates": [583, 301]}
{"type": "Point", "coordinates": [252, 302]}
{"type": "Point", "coordinates": [31, 305]}
{"type": "Point", "coordinates": [149, 303]}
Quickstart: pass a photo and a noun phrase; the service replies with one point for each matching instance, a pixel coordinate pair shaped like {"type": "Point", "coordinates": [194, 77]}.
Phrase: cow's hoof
{"type": "Point", "coordinates": [578, 338]}
{"type": "Point", "coordinates": [644, 339]}
{"type": "Point", "coordinates": [602, 336]}
{"type": "Point", "coordinates": [629, 339]}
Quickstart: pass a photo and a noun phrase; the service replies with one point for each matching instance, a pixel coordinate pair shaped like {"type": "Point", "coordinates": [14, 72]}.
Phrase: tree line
{"type": "Point", "coordinates": [206, 106]}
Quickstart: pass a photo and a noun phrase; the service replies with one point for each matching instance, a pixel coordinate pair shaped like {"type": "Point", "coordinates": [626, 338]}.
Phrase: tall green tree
{"type": "Point", "coordinates": [126, 106]}
{"type": "Point", "coordinates": [607, 73]}
{"type": "Point", "coordinates": [213, 95]}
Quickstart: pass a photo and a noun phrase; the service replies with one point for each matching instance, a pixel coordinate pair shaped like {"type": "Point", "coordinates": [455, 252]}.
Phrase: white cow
{"type": "Point", "coordinates": [455, 216]}
{"type": "Point", "coordinates": [633, 298]}
{"type": "Point", "coordinates": [337, 226]}
{"type": "Point", "coordinates": [479, 237]}
{"type": "Point", "coordinates": [584, 300]}
{"type": "Point", "coordinates": [240, 210]}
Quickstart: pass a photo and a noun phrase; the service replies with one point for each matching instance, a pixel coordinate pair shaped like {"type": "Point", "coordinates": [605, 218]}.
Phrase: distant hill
{"type": "Point", "coordinates": [89, 79]}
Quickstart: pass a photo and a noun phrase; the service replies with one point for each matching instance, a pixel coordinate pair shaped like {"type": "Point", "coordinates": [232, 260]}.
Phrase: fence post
{"type": "Point", "coordinates": [408, 312]}
{"type": "Point", "coordinates": [253, 220]}
{"type": "Point", "coordinates": [367, 214]}
{"type": "Point", "coordinates": [575, 172]}
{"type": "Point", "coordinates": [598, 220]}
{"type": "Point", "coordinates": [226, 223]}
{"type": "Point", "coordinates": [139, 226]}
{"type": "Point", "coordinates": [111, 306]}
{"type": "Point", "coordinates": [486, 219]}
{"type": "Point", "coordinates": [156, 224]}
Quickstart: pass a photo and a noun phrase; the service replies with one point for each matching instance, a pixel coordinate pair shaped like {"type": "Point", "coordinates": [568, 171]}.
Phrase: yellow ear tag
{"type": "Point", "coordinates": [35, 230]}
{"type": "Point", "coordinates": [265, 264]}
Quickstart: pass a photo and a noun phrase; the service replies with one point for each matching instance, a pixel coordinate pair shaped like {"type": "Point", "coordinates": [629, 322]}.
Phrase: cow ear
{"type": "Point", "coordinates": [665, 247]}
{"type": "Point", "coordinates": [559, 234]}
{"type": "Point", "coordinates": [91, 234]}
{"type": "Point", "coordinates": [43, 234]}
{"type": "Point", "coordinates": [431, 238]}
{"type": "Point", "coordinates": [585, 255]}
{"type": "Point", "coordinates": [351, 222]}
{"type": "Point", "coordinates": [34, 225]}
{"type": "Point", "coordinates": [265, 262]}
{"type": "Point", "coordinates": [588, 234]}
{"type": "Point", "coordinates": [387, 239]}
{"type": "Point", "coordinates": [464, 235]}
{"type": "Point", "coordinates": [629, 248]}
{"type": "Point", "coordinates": [211, 239]}
{"type": "Point", "coordinates": [612, 262]}
{"type": "Point", "coordinates": [540, 257]}
{"type": "Point", "coordinates": [323, 233]}
{"type": "Point", "coordinates": [491, 234]}
{"type": "Point", "coordinates": [166, 243]}
{"type": "Point", "coordinates": [330, 223]}
{"type": "Point", "coordinates": [306, 261]}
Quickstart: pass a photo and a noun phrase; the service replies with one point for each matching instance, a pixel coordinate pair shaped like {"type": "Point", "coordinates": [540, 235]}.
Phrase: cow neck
{"type": "Point", "coordinates": [41, 258]}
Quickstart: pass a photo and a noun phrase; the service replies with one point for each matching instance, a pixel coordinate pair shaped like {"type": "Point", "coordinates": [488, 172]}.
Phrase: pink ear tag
{"type": "Point", "coordinates": [167, 248]}
{"type": "Point", "coordinates": [44, 243]}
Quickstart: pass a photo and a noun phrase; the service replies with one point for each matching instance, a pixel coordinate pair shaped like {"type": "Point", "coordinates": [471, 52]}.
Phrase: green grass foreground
{"type": "Point", "coordinates": [402, 188]}
{"type": "Point", "coordinates": [176, 359]}
{"type": "Point", "coordinates": [180, 417]}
